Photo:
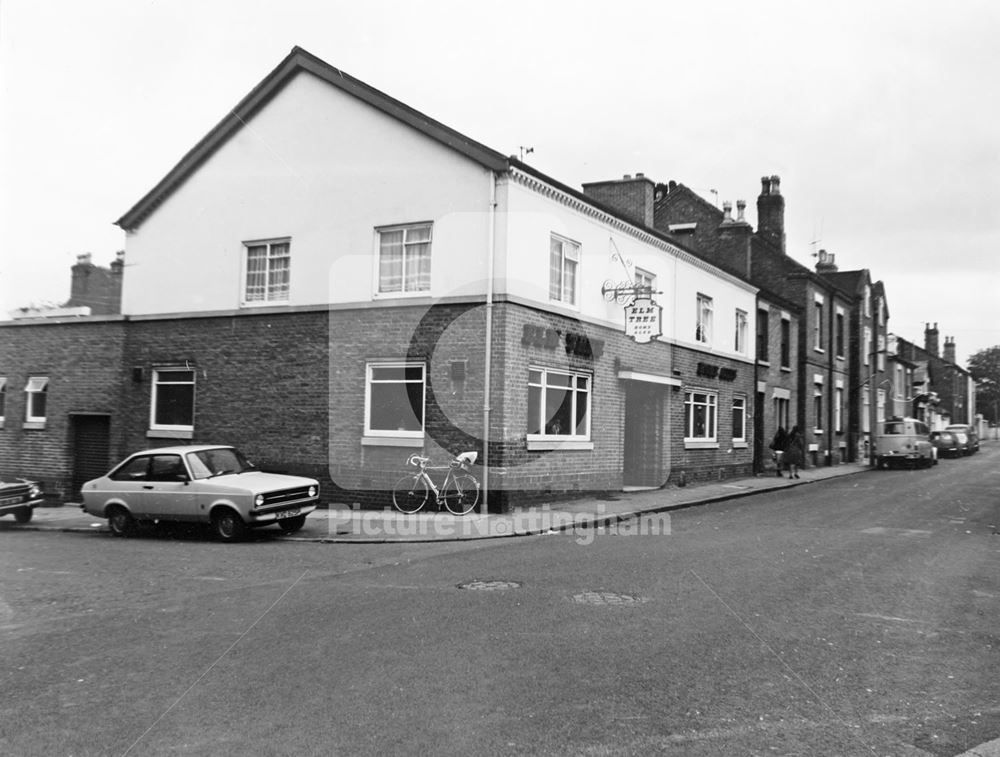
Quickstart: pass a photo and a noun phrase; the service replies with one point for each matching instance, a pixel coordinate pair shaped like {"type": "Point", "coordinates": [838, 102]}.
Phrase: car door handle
{"type": "Point", "coordinates": [147, 487]}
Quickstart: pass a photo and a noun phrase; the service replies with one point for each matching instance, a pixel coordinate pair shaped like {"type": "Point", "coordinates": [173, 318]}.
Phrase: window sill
{"type": "Point", "coordinates": [392, 441]}
{"type": "Point", "coordinates": [818, 431]}
{"type": "Point", "coordinates": [699, 444]}
{"type": "Point", "coordinates": [740, 445]}
{"type": "Point", "coordinates": [34, 425]}
{"type": "Point", "coordinates": [786, 369]}
{"type": "Point", "coordinates": [820, 350]}
{"type": "Point", "coordinates": [569, 445]}
{"type": "Point", "coordinates": [401, 295]}
{"type": "Point", "coordinates": [765, 363]}
{"type": "Point", "coordinates": [169, 433]}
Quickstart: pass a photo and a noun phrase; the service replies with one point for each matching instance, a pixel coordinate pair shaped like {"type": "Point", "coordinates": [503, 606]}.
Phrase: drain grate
{"type": "Point", "coordinates": [490, 585]}
{"type": "Point", "coordinates": [608, 598]}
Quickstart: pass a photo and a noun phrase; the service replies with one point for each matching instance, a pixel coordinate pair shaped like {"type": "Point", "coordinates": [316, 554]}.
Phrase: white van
{"type": "Point", "coordinates": [904, 442]}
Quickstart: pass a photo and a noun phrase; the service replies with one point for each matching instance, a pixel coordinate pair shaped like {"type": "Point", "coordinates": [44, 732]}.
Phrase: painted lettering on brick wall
{"type": "Point", "coordinates": [550, 338]}
{"type": "Point", "coordinates": [706, 370]}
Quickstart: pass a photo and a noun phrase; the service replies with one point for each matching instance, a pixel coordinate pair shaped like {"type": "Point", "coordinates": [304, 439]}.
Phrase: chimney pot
{"type": "Point", "coordinates": [640, 175]}
{"type": "Point", "coordinates": [727, 212]}
{"type": "Point", "coordinates": [627, 176]}
{"type": "Point", "coordinates": [741, 207]}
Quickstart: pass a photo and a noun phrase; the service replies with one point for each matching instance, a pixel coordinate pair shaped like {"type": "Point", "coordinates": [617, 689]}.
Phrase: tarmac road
{"type": "Point", "coordinates": [853, 616]}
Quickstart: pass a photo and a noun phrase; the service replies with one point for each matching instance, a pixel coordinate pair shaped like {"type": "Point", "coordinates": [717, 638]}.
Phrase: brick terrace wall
{"type": "Point", "coordinates": [261, 385]}
{"type": "Point", "coordinates": [83, 362]}
{"type": "Point", "coordinates": [773, 375]}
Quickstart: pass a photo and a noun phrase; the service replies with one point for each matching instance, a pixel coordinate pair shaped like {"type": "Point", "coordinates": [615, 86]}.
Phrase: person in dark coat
{"type": "Point", "coordinates": [795, 453]}
{"type": "Point", "coordinates": [778, 445]}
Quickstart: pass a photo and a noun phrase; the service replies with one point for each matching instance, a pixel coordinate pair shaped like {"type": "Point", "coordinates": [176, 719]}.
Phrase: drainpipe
{"type": "Point", "coordinates": [487, 384]}
{"type": "Point", "coordinates": [830, 388]}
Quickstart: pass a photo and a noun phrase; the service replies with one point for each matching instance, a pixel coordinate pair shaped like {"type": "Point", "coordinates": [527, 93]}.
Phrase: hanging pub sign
{"type": "Point", "coordinates": [643, 320]}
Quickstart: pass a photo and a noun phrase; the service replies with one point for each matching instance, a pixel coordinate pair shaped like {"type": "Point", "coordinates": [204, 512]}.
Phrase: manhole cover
{"type": "Point", "coordinates": [490, 585]}
{"type": "Point", "coordinates": [608, 598]}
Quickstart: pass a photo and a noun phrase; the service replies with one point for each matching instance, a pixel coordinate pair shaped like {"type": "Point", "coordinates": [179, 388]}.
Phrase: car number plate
{"type": "Point", "coordinates": [286, 514]}
{"type": "Point", "coordinates": [10, 501]}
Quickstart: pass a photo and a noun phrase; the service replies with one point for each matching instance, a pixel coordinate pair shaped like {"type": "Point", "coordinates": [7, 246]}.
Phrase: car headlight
{"type": "Point", "coordinates": [312, 491]}
{"type": "Point", "coordinates": [258, 500]}
{"type": "Point", "coordinates": [34, 491]}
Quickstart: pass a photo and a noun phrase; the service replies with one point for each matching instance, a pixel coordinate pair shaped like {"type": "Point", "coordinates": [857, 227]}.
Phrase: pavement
{"type": "Point", "coordinates": [617, 511]}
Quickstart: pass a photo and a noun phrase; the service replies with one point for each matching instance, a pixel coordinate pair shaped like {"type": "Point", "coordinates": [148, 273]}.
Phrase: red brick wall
{"type": "Point", "coordinates": [83, 362]}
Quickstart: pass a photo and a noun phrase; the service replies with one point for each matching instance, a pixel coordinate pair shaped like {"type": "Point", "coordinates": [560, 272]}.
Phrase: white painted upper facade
{"type": "Point", "coordinates": [317, 177]}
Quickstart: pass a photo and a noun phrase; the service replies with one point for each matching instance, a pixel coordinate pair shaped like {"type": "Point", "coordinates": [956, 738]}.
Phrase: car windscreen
{"type": "Point", "coordinates": [217, 462]}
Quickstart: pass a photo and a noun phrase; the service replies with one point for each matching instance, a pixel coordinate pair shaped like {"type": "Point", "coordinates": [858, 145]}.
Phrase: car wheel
{"type": "Point", "coordinates": [120, 521]}
{"type": "Point", "coordinates": [293, 524]}
{"type": "Point", "coordinates": [228, 525]}
{"type": "Point", "coordinates": [23, 515]}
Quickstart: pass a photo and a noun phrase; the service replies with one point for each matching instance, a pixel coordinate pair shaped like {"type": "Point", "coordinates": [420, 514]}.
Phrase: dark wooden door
{"type": "Point", "coordinates": [643, 453]}
{"type": "Point", "coordinates": [91, 448]}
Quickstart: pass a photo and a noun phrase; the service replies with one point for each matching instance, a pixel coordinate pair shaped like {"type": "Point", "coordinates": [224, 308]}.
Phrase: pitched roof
{"type": "Point", "coordinates": [299, 60]}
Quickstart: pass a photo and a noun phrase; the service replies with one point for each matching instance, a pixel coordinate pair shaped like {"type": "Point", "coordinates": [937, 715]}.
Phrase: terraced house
{"type": "Point", "coordinates": [332, 280]}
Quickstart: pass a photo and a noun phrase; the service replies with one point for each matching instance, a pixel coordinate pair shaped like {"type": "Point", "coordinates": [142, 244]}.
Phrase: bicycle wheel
{"type": "Point", "coordinates": [409, 494]}
{"type": "Point", "coordinates": [461, 494]}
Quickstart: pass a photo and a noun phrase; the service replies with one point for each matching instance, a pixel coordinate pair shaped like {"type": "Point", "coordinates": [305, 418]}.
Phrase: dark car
{"type": "Point", "coordinates": [946, 443]}
{"type": "Point", "coordinates": [210, 484]}
{"type": "Point", "coordinates": [19, 497]}
{"type": "Point", "coordinates": [972, 438]}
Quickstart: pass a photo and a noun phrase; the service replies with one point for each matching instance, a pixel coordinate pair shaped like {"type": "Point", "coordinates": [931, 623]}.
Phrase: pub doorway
{"type": "Point", "coordinates": [643, 449]}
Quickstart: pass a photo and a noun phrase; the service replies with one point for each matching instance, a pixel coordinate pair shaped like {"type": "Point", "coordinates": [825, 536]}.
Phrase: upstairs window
{"type": "Point", "coordinates": [172, 403]}
{"type": "Point", "coordinates": [3, 399]}
{"type": "Point", "coordinates": [36, 394]}
{"type": "Point", "coordinates": [703, 328]}
{"type": "Point", "coordinates": [268, 267]}
{"type": "Point", "coordinates": [841, 347]}
{"type": "Point", "coordinates": [763, 337]}
{"type": "Point", "coordinates": [818, 326]}
{"type": "Point", "coordinates": [740, 342]}
{"type": "Point", "coordinates": [645, 281]}
{"type": "Point", "coordinates": [404, 259]}
{"type": "Point", "coordinates": [564, 262]}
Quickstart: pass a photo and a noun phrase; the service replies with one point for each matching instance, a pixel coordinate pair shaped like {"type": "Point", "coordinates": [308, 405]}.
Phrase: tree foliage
{"type": "Point", "coordinates": [985, 369]}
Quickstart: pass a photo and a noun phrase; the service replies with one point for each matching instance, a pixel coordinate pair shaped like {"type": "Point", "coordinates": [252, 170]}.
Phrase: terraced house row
{"type": "Point", "coordinates": [332, 280]}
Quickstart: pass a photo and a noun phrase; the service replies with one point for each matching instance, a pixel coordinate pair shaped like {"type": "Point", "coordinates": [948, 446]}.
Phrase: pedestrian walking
{"type": "Point", "coordinates": [778, 445]}
{"type": "Point", "coordinates": [795, 454]}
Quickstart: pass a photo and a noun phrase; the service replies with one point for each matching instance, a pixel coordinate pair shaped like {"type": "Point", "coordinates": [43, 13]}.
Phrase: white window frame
{"type": "Point", "coordinates": [181, 428]}
{"type": "Point", "coordinates": [37, 385]}
{"type": "Point", "coordinates": [740, 402]}
{"type": "Point", "coordinates": [273, 293]}
{"type": "Point", "coordinates": [742, 324]}
{"type": "Point", "coordinates": [3, 400]}
{"type": "Point", "coordinates": [703, 319]}
{"type": "Point", "coordinates": [819, 309]}
{"type": "Point", "coordinates": [544, 415]}
{"type": "Point", "coordinates": [568, 252]}
{"type": "Point", "coordinates": [710, 439]}
{"type": "Point", "coordinates": [818, 408]}
{"type": "Point", "coordinates": [782, 411]}
{"type": "Point", "coordinates": [644, 278]}
{"type": "Point", "coordinates": [398, 433]}
{"type": "Point", "coordinates": [411, 283]}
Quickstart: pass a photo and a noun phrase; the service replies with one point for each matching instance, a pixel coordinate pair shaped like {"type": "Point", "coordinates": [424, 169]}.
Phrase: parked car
{"type": "Point", "coordinates": [962, 440]}
{"type": "Point", "coordinates": [970, 432]}
{"type": "Point", "coordinates": [946, 443]}
{"type": "Point", "coordinates": [203, 483]}
{"type": "Point", "coordinates": [19, 497]}
{"type": "Point", "coordinates": [903, 441]}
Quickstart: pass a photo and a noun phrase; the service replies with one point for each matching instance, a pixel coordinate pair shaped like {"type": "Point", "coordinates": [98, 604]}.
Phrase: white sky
{"type": "Point", "coordinates": [880, 116]}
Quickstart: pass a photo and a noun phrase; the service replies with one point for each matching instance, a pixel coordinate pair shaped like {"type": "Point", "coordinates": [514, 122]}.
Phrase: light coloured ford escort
{"type": "Point", "coordinates": [200, 483]}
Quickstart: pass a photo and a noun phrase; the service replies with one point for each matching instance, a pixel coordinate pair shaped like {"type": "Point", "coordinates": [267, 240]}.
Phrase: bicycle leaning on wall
{"type": "Point", "coordinates": [459, 491]}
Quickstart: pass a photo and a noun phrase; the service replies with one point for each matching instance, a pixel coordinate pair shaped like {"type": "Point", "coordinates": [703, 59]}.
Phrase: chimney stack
{"type": "Point", "coordinates": [632, 197]}
{"type": "Point", "coordinates": [771, 212]}
{"type": "Point", "coordinates": [931, 339]}
{"type": "Point", "coordinates": [826, 262]}
{"type": "Point", "coordinates": [949, 349]}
